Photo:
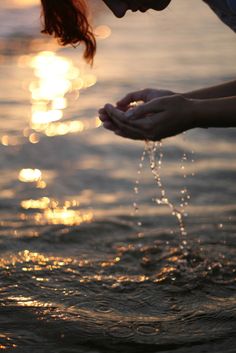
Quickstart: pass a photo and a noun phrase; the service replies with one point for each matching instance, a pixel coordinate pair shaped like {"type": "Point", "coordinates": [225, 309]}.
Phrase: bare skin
{"type": "Point", "coordinates": [165, 113]}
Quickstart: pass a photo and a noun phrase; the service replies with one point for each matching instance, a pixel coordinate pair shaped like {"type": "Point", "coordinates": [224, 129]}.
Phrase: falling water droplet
{"type": "Point", "coordinates": [136, 189]}
{"type": "Point", "coordinates": [152, 149]}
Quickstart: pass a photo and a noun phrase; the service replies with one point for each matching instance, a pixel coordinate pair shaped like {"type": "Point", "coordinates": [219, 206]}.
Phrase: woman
{"type": "Point", "coordinates": [163, 113]}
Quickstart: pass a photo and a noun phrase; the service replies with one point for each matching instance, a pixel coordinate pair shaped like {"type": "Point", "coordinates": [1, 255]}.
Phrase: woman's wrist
{"type": "Point", "coordinates": [193, 113]}
{"type": "Point", "coordinates": [200, 113]}
{"type": "Point", "coordinates": [219, 112]}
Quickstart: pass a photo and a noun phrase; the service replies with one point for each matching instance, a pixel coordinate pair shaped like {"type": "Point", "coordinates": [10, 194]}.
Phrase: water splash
{"type": "Point", "coordinates": [154, 151]}
{"type": "Point", "coordinates": [137, 189]}
{"type": "Point", "coordinates": [184, 193]}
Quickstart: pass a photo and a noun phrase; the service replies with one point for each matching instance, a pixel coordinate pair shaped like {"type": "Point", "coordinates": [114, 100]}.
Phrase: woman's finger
{"type": "Point", "coordinates": [101, 110]}
{"type": "Point", "coordinates": [103, 114]}
{"type": "Point", "coordinates": [152, 121]}
{"type": "Point", "coordinates": [156, 130]}
{"type": "Point", "coordinates": [106, 120]}
{"type": "Point", "coordinates": [129, 135]}
{"type": "Point", "coordinates": [104, 117]}
{"type": "Point", "coordinates": [153, 106]}
{"type": "Point", "coordinates": [122, 125]}
{"type": "Point", "coordinates": [130, 98]}
{"type": "Point", "coordinates": [114, 112]}
{"type": "Point", "coordinates": [109, 126]}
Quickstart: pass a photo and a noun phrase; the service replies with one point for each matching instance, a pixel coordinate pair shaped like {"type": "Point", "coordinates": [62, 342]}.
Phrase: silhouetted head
{"type": "Point", "coordinates": [67, 20]}
{"type": "Point", "coordinates": [119, 7]}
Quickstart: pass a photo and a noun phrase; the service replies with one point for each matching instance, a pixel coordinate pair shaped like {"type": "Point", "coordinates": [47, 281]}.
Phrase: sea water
{"type": "Point", "coordinates": [75, 277]}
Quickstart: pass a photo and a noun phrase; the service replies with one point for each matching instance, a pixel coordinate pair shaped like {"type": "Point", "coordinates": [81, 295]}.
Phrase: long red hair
{"type": "Point", "coordinates": [67, 20]}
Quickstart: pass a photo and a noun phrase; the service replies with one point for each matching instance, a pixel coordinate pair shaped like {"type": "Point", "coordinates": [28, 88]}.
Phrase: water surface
{"type": "Point", "coordinates": [80, 269]}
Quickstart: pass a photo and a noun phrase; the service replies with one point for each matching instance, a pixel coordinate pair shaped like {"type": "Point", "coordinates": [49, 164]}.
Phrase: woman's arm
{"type": "Point", "coordinates": [227, 89]}
{"type": "Point", "coordinates": [219, 112]}
{"type": "Point", "coordinates": [169, 116]}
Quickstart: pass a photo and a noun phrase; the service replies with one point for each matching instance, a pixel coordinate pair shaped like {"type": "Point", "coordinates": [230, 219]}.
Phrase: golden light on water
{"type": "Point", "coordinates": [102, 32]}
{"type": "Point", "coordinates": [89, 80]}
{"type": "Point", "coordinates": [64, 128]}
{"type": "Point", "coordinates": [29, 302]}
{"type": "Point", "coordinates": [59, 103]}
{"type": "Point", "coordinates": [34, 261]}
{"type": "Point", "coordinates": [48, 65]}
{"type": "Point", "coordinates": [46, 203]}
{"type": "Point", "coordinates": [67, 216]}
{"type": "Point", "coordinates": [53, 213]}
{"type": "Point", "coordinates": [41, 184]}
{"type": "Point", "coordinates": [30, 175]}
{"type": "Point", "coordinates": [5, 140]}
{"type": "Point", "coordinates": [24, 3]}
{"type": "Point", "coordinates": [9, 344]}
{"type": "Point", "coordinates": [34, 138]}
{"type": "Point", "coordinates": [41, 117]}
{"type": "Point", "coordinates": [98, 122]}
{"type": "Point", "coordinates": [56, 76]}
{"type": "Point", "coordinates": [42, 203]}
{"type": "Point", "coordinates": [19, 3]}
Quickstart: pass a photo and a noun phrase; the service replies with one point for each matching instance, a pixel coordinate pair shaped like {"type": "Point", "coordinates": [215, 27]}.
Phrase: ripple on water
{"type": "Point", "coordinates": [120, 331]}
{"type": "Point", "coordinates": [103, 307]}
{"type": "Point", "coordinates": [147, 330]}
{"type": "Point", "coordinates": [117, 303]}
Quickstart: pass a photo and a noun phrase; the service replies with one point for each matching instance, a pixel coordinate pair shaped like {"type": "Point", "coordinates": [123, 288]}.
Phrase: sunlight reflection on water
{"type": "Point", "coordinates": [56, 77]}
{"type": "Point", "coordinates": [70, 253]}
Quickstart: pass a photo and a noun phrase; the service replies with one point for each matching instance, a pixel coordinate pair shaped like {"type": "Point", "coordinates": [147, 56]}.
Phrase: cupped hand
{"type": "Point", "coordinates": [157, 119]}
{"type": "Point", "coordinates": [144, 96]}
{"type": "Point", "coordinates": [130, 101]}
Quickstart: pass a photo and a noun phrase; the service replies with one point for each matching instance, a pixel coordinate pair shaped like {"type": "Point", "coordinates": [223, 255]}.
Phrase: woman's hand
{"type": "Point", "coordinates": [130, 100]}
{"type": "Point", "coordinates": [144, 96]}
{"type": "Point", "coordinates": [157, 119]}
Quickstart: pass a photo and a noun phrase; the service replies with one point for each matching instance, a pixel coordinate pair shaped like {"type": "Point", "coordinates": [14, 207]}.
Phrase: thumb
{"type": "Point", "coordinates": [150, 107]}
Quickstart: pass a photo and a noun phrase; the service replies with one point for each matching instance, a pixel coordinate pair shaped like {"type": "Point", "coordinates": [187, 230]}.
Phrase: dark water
{"type": "Point", "coordinates": [82, 269]}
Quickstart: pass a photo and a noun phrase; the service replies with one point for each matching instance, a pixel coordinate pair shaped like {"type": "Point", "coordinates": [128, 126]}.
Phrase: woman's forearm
{"type": "Point", "coordinates": [220, 112]}
{"type": "Point", "coordinates": [227, 89]}
{"type": "Point", "coordinates": [168, 116]}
